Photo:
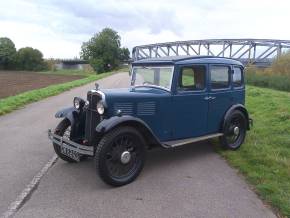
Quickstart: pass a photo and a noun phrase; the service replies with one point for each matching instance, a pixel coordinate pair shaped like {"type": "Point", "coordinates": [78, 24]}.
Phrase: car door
{"type": "Point", "coordinates": [190, 104]}
{"type": "Point", "coordinates": [220, 95]}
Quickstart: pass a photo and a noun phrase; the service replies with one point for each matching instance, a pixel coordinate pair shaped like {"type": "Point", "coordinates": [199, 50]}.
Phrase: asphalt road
{"type": "Point", "coordinates": [188, 181]}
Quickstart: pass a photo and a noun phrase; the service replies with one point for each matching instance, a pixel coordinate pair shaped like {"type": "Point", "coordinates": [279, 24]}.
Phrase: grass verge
{"type": "Point", "coordinates": [265, 157]}
{"type": "Point", "coordinates": [14, 102]}
{"type": "Point", "coordinates": [278, 82]}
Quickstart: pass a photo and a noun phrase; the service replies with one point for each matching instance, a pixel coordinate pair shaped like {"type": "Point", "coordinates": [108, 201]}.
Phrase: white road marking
{"type": "Point", "coordinates": [15, 206]}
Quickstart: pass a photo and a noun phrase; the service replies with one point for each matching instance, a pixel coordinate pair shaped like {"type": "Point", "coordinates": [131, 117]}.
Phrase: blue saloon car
{"type": "Point", "coordinates": [172, 101]}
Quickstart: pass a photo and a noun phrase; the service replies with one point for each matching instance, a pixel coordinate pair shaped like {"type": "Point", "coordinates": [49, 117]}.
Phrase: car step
{"type": "Point", "coordinates": [176, 143]}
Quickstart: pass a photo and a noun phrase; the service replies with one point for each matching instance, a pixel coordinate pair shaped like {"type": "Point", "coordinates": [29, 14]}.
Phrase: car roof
{"type": "Point", "coordinates": [187, 60]}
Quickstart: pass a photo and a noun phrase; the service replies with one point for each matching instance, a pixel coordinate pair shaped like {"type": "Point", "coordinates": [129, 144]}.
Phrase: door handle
{"type": "Point", "coordinates": [209, 98]}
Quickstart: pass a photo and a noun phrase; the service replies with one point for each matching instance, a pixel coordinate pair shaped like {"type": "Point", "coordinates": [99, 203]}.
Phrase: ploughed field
{"type": "Point", "coordinates": [15, 82]}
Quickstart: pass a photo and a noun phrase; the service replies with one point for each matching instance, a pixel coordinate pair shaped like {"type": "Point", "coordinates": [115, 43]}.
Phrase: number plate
{"type": "Point", "coordinates": [70, 153]}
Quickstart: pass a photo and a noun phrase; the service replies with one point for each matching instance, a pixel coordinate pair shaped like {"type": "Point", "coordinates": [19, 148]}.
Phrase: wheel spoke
{"type": "Point", "coordinates": [117, 168]}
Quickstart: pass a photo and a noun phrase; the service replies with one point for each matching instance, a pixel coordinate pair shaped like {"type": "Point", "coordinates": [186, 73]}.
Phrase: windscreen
{"type": "Point", "coordinates": [160, 77]}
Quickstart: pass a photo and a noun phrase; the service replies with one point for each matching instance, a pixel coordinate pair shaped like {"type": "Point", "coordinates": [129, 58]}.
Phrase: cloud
{"type": "Point", "coordinates": [58, 28]}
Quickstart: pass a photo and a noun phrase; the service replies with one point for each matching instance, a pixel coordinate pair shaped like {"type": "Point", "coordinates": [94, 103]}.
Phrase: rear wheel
{"type": "Point", "coordinates": [234, 131]}
{"type": "Point", "coordinates": [63, 129]}
{"type": "Point", "coordinates": [120, 156]}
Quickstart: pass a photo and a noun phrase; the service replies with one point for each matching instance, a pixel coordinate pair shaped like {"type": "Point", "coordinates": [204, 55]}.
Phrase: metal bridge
{"type": "Point", "coordinates": [260, 52]}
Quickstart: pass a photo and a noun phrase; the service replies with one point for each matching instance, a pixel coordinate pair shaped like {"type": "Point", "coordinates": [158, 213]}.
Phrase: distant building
{"type": "Point", "coordinates": [75, 64]}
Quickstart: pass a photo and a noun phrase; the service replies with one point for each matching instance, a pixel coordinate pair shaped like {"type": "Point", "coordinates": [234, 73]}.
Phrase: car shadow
{"type": "Point", "coordinates": [159, 157]}
{"type": "Point", "coordinates": [158, 160]}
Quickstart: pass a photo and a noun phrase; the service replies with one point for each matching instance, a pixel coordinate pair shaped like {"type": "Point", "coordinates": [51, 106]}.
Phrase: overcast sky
{"type": "Point", "coordinates": [58, 27]}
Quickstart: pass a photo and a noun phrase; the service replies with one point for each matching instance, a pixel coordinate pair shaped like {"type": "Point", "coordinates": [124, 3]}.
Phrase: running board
{"type": "Point", "coordinates": [175, 143]}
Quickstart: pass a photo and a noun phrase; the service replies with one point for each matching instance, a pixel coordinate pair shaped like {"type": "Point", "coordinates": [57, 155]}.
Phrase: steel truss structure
{"type": "Point", "coordinates": [255, 51]}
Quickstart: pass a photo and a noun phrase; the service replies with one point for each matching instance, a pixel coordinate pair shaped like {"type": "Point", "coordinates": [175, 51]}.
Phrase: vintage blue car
{"type": "Point", "coordinates": [172, 101]}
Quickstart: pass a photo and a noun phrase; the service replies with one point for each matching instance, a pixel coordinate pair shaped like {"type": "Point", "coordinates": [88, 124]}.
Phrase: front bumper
{"type": "Point", "coordinates": [70, 145]}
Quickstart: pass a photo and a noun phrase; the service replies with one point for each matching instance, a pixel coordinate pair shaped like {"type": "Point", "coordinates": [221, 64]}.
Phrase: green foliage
{"type": "Point", "coordinates": [98, 65]}
{"type": "Point", "coordinates": [50, 64]}
{"type": "Point", "coordinates": [7, 53]}
{"type": "Point", "coordinates": [30, 59]}
{"type": "Point", "coordinates": [265, 156]}
{"type": "Point", "coordinates": [279, 82]}
{"type": "Point", "coordinates": [124, 54]}
{"type": "Point", "coordinates": [104, 51]}
{"type": "Point", "coordinates": [281, 66]}
{"type": "Point", "coordinates": [277, 76]}
{"type": "Point", "coordinates": [23, 59]}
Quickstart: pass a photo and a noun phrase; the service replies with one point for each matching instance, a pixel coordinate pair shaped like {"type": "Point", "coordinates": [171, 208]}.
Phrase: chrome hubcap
{"type": "Point", "coordinates": [236, 131]}
{"type": "Point", "coordinates": [125, 157]}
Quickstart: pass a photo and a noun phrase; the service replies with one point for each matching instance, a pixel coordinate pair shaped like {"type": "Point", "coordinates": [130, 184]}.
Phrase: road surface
{"type": "Point", "coordinates": [188, 181]}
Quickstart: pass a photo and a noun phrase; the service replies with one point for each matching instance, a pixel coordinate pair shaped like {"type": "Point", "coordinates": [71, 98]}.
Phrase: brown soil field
{"type": "Point", "coordinates": [15, 82]}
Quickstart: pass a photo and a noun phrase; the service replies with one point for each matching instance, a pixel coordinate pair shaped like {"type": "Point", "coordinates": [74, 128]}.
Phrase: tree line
{"type": "Point", "coordinates": [103, 51]}
{"type": "Point", "coordinates": [23, 59]}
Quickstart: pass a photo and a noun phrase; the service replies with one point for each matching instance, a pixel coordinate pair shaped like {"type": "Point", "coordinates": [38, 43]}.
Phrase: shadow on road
{"type": "Point", "coordinates": [158, 160]}
{"type": "Point", "coordinates": [162, 158]}
{"type": "Point", "coordinates": [188, 181]}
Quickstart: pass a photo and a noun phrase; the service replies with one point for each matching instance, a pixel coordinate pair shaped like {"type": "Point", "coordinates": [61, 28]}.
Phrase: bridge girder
{"type": "Point", "coordinates": [254, 51]}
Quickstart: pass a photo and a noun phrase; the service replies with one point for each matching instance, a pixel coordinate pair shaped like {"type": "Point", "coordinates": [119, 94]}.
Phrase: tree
{"type": "Point", "coordinates": [30, 59]}
{"type": "Point", "coordinates": [124, 54]}
{"type": "Point", "coordinates": [7, 53]}
{"type": "Point", "coordinates": [104, 51]}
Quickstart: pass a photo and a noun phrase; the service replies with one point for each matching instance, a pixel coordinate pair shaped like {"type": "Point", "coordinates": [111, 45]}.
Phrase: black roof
{"type": "Point", "coordinates": [187, 60]}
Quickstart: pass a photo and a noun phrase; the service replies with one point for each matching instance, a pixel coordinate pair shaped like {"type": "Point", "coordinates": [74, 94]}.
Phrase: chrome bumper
{"type": "Point", "coordinates": [81, 149]}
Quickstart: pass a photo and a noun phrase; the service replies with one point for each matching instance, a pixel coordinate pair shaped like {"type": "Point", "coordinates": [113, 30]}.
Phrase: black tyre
{"type": "Point", "coordinates": [234, 131]}
{"type": "Point", "coordinates": [63, 129]}
{"type": "Point", "coordinates": [120, 156]}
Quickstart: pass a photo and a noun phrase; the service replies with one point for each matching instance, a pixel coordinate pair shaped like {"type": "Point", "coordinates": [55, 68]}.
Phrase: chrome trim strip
{"type": "Point", "coordinates": [152, 86]}
{"type": "Point", "coordinates": [180, 142]}
{"type": "Point", "coordinates": [103, 97]}
{"type": "Point", "coordinates": [101, 94]}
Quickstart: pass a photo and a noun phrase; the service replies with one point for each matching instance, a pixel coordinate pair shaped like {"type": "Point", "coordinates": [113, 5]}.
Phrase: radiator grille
{"type": "Point", "coordinates": [146, 108]}
{"type": "Point", "coordinates": [92, 117]}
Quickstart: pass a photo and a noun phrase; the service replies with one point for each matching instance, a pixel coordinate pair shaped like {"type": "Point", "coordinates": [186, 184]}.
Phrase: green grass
{"type": "Point", "coordinates": [265, 157]}
{"type": "Point", "coordinates": [14, 102]}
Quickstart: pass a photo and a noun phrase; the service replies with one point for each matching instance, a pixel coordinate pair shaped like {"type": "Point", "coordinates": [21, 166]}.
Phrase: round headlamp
{"type": "Point", "coordinates": [78, 103]}
{"type": "Point", "coordinates": [100, 107]}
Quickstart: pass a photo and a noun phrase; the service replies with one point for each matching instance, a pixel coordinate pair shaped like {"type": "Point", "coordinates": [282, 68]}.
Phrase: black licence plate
{"type": "Point", "coordinates": [70, 153]}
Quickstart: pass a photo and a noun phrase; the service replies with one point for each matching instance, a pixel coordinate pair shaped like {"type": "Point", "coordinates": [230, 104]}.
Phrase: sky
{"type": "Point", "coordinates": [59, 27]}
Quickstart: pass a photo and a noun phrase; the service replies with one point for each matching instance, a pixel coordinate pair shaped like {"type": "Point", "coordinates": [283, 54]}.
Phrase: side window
{"type": "Point", "coordinates": [237, 77]}
{"type": "Point", "coordinates": [192, 78]}
{"type": "Point", "coordinates": [219, 77]}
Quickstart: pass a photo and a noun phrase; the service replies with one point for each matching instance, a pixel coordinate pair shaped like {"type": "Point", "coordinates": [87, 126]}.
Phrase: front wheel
{"type": "Point", "coordinates": [63, 129]}
{"type": "Point", "coordinates": [234, 132]}
{"type": "Point", "coordinates": [120, 156]}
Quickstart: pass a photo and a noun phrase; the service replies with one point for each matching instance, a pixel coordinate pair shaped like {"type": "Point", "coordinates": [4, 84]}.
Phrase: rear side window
{"type": "Point", "coordinates": [192, 78]}
{"type": "Point", "coordinates": [237, 77]}
{"type": "Point", "coordinates": [219, 77]}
